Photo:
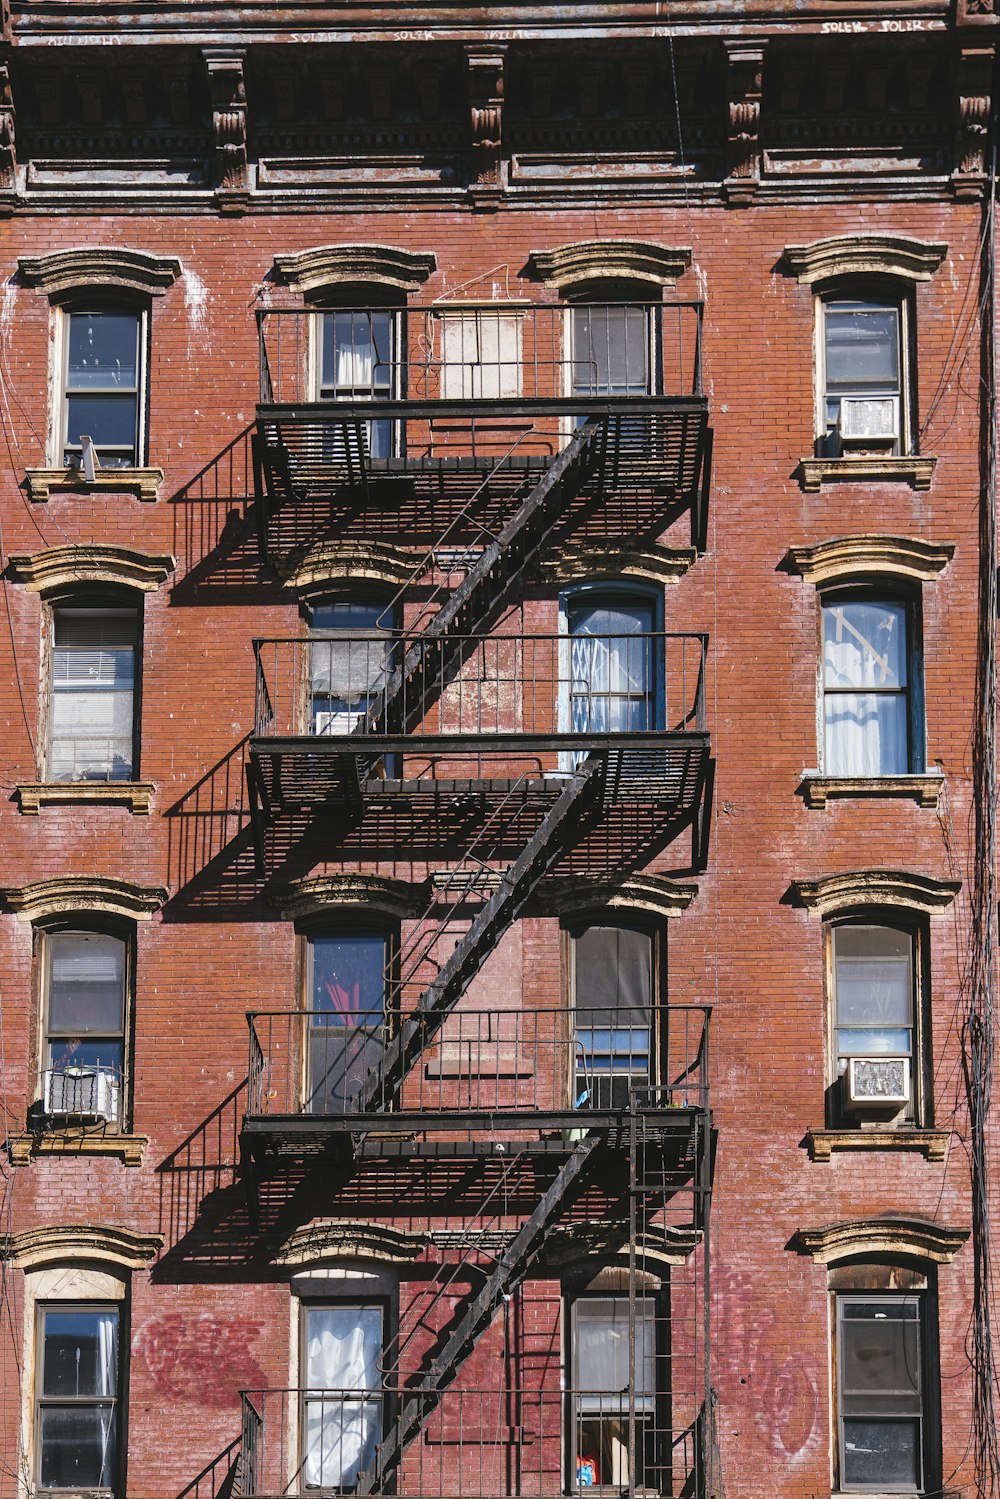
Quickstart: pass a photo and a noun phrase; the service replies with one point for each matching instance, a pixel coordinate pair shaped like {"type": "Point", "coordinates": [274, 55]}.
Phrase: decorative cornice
{"type": "Point", "coordinates": [62, 567]}
{"type": "Point", "coordinates": [876, 887]}
{"type": "Point", "coordinates": [591, 560]}
{"type": "Point", "coordinates": [566, 1244]}
{"type": "Point", "coordinates": [75, 893]}
{"type": "Point", "coordinates": [348, 1239]}
{"type": "Point", "coordinates": [864, 255]}
{"type": "Point", "coordinates": [867, 468]}
{"type": "Point", "coordinates": [845, 558]}
{"type": "Point", "coordinates": [916, 1238]}
{"type": "Point", "coordinates": [933, 1143]}
{"type": "Point", "coordinates": [144, 483]}
{"type": "Point", "coordinates": [136, 795]}
{"type": "Point", "coordinates": [570, 266]}
{"type": "Point", "coordinates": [335, 562]}
{"type": "Point", "coordinates": [328, 894]}
{"type": "Point", "coordinates": [104, 265]}
{"type": "Point", "coordinates": [36, 1247]}
{"type": "Point", "coordinates": [583, 896]}
{"type": "Point", "coordinates": [130, 1148]}
{"type": "Point", "coordinates": [353, 265]}
{"type": "Point", "coordinates": [817, 789]}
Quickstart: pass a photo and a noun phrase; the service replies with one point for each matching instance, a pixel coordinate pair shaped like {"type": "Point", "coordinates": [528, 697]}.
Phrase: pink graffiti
{"type": "Point", "coordinates": [204, 1360]}
{"type": "Point", "coordinates": [782, 1391]}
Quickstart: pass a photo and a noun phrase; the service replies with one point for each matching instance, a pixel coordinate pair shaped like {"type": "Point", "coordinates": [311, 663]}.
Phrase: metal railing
{"type": "Point", "coordinates": [498, 353]}
{"type": "Point", "coordinates": [481, 1444]}
{"type": "Point", "coordinates": [571, 687]}
{"type": "Point", "coordinates": [553, 1061]}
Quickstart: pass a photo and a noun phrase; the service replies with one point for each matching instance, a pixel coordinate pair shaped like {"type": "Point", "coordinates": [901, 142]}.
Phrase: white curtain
{"type": "Point", "coordinates": [107, 1384]}
{"type": "Point", "coordinates": [342, 1428]}
{"type": "Point", "coordinates": [865, 698]}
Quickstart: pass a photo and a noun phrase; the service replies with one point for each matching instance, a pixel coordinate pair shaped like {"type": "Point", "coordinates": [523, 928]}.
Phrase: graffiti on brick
{"type": "Point", "coordinates": [780, 1387]}
{"type": "Point", "coordinates": [201, 1359]}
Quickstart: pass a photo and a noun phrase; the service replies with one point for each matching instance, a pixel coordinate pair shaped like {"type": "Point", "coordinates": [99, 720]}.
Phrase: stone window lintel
{"type": "Point", "coordinates": [895, 255]}
{"type": "Point", "coordinates": [23, 1148]}
{"type": "Point", "coordinates": [933, 1143]}
{"type": "Point", "coordinates": [87, 266]}
{"type": "Point", "coordinates": [83, 565]}
{"type": "Point", "coordinates": [925, 789]}
{"type": "Point", "coordinates": [868, 468]}
{"type": "Point", "coordinates": [136, 795]}
{"type": "Point", "coordinates": [144, 483]}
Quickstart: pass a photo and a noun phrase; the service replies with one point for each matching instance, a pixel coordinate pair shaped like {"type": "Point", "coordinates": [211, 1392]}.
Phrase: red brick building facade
{"type": "Point", "coordinates": [496, 916]}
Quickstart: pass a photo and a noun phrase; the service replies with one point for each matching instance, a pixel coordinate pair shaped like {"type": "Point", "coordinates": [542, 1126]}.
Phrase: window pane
{"type": "Point", "coordinates": [882, 1452]}
{"type": "Point", "coordinates": [862, 346]}
{"type": "Point", "coordinates": [348, 978]}
{"type": "Point", "coordinates": [601, 1363]}
{"type": "Point", "coordinates": [80, 1353]}
{"type": "Point", "coordinates": [109, 420]}
{"type": "Point", "coordinates": [613, 972]}
{"type": "Point", "coordinates": [343, 1346]}
{"type": "Point", "coordinates": [610, 351]}
{"type": "Point", "coordinates": [873, 969]}
{"type": "Point", "coordinates": [86, 982]}
{"type": "Point", "coordinates": [864, 645]}
{"type": "Point", "coordinates": [103, 350]}
{"type": "Point", "coordinates": [78, 1447]}
{"type": "Point", "coordinates": [481, 356]}
{"type": "Point", "coordinates": [357, 353]}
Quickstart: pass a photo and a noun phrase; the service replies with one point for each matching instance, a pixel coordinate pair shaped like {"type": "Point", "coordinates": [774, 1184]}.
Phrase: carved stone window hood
{"type": "Point", "coordinates": [100, 265]}
{"type": "Point", "coordinates": [574, 267]}
{"type": "Point", "coordinates": [327, 267]}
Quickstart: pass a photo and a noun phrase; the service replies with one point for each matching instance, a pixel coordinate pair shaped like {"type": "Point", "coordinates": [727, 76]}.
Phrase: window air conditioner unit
{"type": "Point", "coordinates": [81, 1093]}
{"type": "Point", "coordinates": [876, 1084]}
{"type": "Point", "coordinates": [868, 421]}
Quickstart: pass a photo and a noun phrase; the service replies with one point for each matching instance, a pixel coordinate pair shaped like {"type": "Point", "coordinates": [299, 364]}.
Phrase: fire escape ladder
{"type": "Point", "coordinates": [418, 1400]}
{"type": "Point", "coordinates": [500, 911]}
{"type": "Point", "coordinates": [498, 567]}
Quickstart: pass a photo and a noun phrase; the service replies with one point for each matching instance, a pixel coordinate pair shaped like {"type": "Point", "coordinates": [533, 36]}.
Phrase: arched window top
{"type": "Point", "coordinates": [845, 559]}
{"type": "Point", "coordinates": [83, 896]}
{"type": "Point", "coordinates": [596, 899]}
{"type": "Point", "coordinates": [353, 895]}
{"type": "Point", "coordinates": [642, 267]}
{"type": "Point", "coordinates": [347, 566]}
{"type": "Point", "coordinates": [107, 266]}
{"type": "Point", "coordinates": [886, 1235]}
{"type": "Point", "coordinates": [87, 566]}
{"type": "Point", "coordinates": [336, 1240]}
{"type": "Point", "coordinates": [875, 889]}
{"type": "Point", "coordinates": [335, 268]}
{"type": "Point", "coordinates": [76, 1242]}
{"type": "Point", "coordinates": [823, 261]}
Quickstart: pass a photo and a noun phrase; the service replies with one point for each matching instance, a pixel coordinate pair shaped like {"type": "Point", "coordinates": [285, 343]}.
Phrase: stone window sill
{"type": "Point", "coordinates": [932, 1142]}
{"type": "Point", "coordinates": [817, 789]}
{"type": "Point", "coordinates": [873, 468]}
{"type": "Point", "coordinates": [136, 795]}
{"type": "Point", "coordinates": [143, 482]}
{"type": "Point", "coordinates": [130, 1148]}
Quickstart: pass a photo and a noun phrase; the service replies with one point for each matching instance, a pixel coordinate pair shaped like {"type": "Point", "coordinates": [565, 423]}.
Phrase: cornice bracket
{"type": "Point", "coordinates": [743, 85]}
{"type": "Point", "coordinates": [975, 80]}
{"type": "Point", "coordinates": [227, 90]}
{"type": "Point", "coordinates": [485, 72]}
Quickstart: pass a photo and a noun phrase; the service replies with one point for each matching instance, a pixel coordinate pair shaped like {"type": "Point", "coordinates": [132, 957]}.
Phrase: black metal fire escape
{"type": "Point", "coordinates": [300, 449]}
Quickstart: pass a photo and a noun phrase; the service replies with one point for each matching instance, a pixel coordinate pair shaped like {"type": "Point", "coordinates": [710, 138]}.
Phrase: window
{"type": "Point", "coordinates": [612, 1382]}
{"type": "Point", "coordinates": [876, 1064]}
{"type": "Point", "coordinates": [358, 362]}
{"type": "Point", "coordinates": [481, 355]}
{"type": "Point", "coordinates": [76, 1402]}
{"type": "Point", "coordinates": [615, 666]}
{"type": "Point", "coordinates": [614, 351]}
{"type": "Point", "coordinates": [871, 726]}
{"type": "Point", "coordinates": [349, 657]}
{"type": "Point", "coordinates": [102, 382]}
{"type": "Point", "coordinates": [347, 987]}
{"type": "Point", "coordinates": [881, 1392]}
{"type": "Point", "coordinates": [92, 708]}
{"type": "Point", "coordinates": [613, 998]}
{"type": "Point", "coordinates": [341, 1411]}
{"type": "Point", "coordinates": [85, 974]}
{"type": "Point", "coordinates": [863, 398]}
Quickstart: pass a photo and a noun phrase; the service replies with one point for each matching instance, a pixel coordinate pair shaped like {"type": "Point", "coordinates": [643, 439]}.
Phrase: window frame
{"type": "Point", "coordinates": [922, 1295]}
{"type": "Point", "coordinates": [124, 932]}
{"type": "Point", "coordinates": [659, 1408]}
{"type": "Point", "coordinates": [890, 593]}
{"type": "Point", "coordinates": [643, 301]}
{"type": "Point", "coordinates": [319, 930]}
{"type": "Point", "coordinates": [607, 592]}
{"type": "Point", "coordinates": [355, 1295]}
{"type": "Point", "coordinates": [82, 304]}
{"type": "Point", "coordinates": [107, 602]}
{"type": "Point", "coordinates": [395, 389]}
{"type": "Point", "coordinates": [879, 294]}
{"type": "Point", "coordinates": [42, 1307]}
{"type": "Point", "coordinates": [919, 1115]}
{"type": "Point", "coordinates": [572, 932]}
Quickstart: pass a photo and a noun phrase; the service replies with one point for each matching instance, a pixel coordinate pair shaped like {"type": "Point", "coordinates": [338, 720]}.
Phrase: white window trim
{"type": "Point", "coordinates": [313, 357]}
{"type": "Point", "coordinates": [87, 600]}
{"type": "Point", "coordinates": [59, 405]}
{"type": "Point", "coordinates": [73, 1283]}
